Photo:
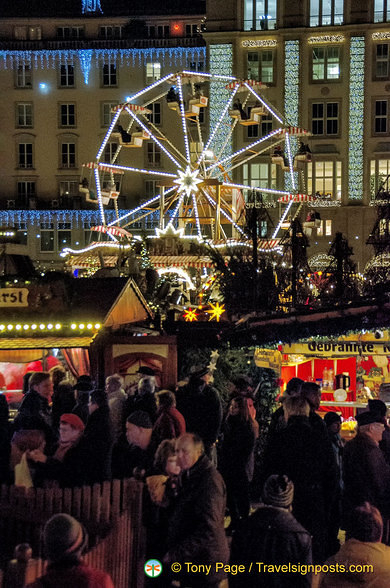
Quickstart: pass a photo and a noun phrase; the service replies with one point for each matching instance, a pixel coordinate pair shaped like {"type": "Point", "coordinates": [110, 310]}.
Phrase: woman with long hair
{"type": "Point", "coordinates": [238, 444]}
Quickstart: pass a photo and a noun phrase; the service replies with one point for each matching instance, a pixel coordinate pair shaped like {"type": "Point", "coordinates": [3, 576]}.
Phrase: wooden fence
{"type": "Point", "coordinates": [111, 512]}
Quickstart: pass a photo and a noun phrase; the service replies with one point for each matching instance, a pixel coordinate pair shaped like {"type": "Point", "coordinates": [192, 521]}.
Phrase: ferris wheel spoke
{"type": "Point", "coordinates": [266, 190]}
{"type": "Point", "coordinates": [290, 160]}
{"type": "Point", "coordinates": [183, 119]}
{"type": "Point", "coordinates": [243, 150]}
{"type": "Point", "coordinates": [196, 213]}
{"type": "Point", "coordinates": [124, 168]}
{"type": "Point", "coordinates": [218, 124]}
{"type": "Point", "coordinates": [108, 134]}
{"type": "Point", "coordinates": [175, 212]}
{"type": "Point", "coordinates": [165, 139]}
{"type": "Point", "coordinates": [151, 87]}
{"type": "Point", "coordinates": [135, 210]}
{"type": "Point", "coordinates": [273, 111]}
{"type": "Point", "coordinates": [285, 213]}
{"type": "Point", "coordinates": [153, 137]}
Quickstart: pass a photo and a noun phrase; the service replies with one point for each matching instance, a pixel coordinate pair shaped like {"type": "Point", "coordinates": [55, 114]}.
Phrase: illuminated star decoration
{"type": "Point", "coordinates": [190, 315]}
{"type": "Point", "coordinates": [188, 181]}
{"type": "Point", "coordinates": [216, 311]}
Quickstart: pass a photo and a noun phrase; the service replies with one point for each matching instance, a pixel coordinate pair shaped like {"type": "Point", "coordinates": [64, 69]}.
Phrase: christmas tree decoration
{"type": "Point", "coordinates": [216, 311]}
{"type": "Point", "coordinates": [190, 315]}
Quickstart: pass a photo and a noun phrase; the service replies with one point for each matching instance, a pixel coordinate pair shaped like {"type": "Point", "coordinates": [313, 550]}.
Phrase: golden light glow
{"type": "Point", "coordinates": [216, 311]}
{"type": "Point", "coordinates": [190, 315]}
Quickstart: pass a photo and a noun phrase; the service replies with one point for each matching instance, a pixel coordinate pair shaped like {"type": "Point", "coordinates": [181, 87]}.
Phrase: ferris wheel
{"type": "Point", "coordinates": [197, 196]}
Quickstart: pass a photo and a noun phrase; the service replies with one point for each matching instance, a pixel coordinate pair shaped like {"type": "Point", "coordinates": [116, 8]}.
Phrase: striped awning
{"type": "Point", "coordinates": [296, 131]}
{"type": "Point", "coordinates": [116, 231]}
{"type": "Point", "coordinates": [133, 107]}
{"type": "Point", "coordinates": [241, 84]}
{"type": "Point", "coordinates": [180, 261]}
{"type": "Point", "coordinates": [268, 244]}
{"type": "Point", "coordinates": [103, 167]}
{"type": "Point", "coordinates": [296, 198]}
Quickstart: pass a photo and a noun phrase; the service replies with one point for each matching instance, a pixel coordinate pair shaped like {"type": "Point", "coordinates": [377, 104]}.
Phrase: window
{"type": "Point", "coordinates": [68, 155]}
{"type": "Point", "coordinates": [67, 115]}
{"type": "Point", "coordinates": [162, 31]}
{"type": "Point", "coordinates": [260, 130]}
{"type": "Point", "coordinates": [155, 116]}
{"type": "Point", "coordinates": [324, 179]}
{"type": "Point", "coordinates": [320, 229]}
{"type": "Point", "coordinates": [25, 155]}
{"type": "Point", "coordinates": [64, 235]}
{"type": "Point", "coordinates": [379, 172]}
{"type": "Point", "coordinates": [47, 237]}
{"type": "Point", "coordinates": [68, 188]}
{"type": "Point", "coordinates": [20, 33]}
{"type": "Point", "coordinates": [25, 190]}
{"type": "Point", "coordinates": [70, 32]}
{"type": "Point", "coordinates": [380, 116]}
{"type": "Point", "coordinates": [260, 175]}
{"type": "Point", "coordinates": [24, 76]}
{"type": "Point", "coordinates": [382, 61]}
{"type": "Point", "coordinates": [21, 232]}
{"type": "Point", "coordinates": [109, 152]}
{"type": "Point", "coordinates": [196, 65]}
{"type": "Point", "coordinates": [107, 114]}
{"type": "Point", "coordinates": [381, 11]}
{"type": "Point", "coordinates": [326, 12]}
{"type": "Point", "coordinates": [151, 189]}
{"type": "Point", "coordinates": [196, 148]}
{"type": "Point", "coordinates": [325, 118]}
{"type": "Point", "coordinates": [109, 74]}
{"type": "Point", "coordinates": [260, 66]}
{"type": "Point", "coordinates": [110, 32]}
{"type": "Point", "coordinates": [24, 114]}
{"type": "Point", "coordinates": [191, 30]}
{"type": "Point", "coordinates": [153, 72]}
{"type": "Point", "coordinates": [153, 154]}
{"type": "Point", "coordinates": [325, 63]}
{"type": "Point", "coordinates": [67, 75]}
{"type": "Point", "coordinates": [260, 15]}
{"type": "Point", "coordinates": [328, 227]}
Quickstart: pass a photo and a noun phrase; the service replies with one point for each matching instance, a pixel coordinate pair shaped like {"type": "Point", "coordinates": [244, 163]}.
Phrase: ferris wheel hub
{"type": "Point", "coordinates": [188, 180]}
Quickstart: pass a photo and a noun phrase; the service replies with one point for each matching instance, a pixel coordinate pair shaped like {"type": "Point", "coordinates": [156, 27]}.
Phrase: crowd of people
{"type": "Point", "coordinates": [196, 459]}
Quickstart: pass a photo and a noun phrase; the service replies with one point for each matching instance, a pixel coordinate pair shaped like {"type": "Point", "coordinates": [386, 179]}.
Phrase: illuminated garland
{"type": "Point", "coordinates": [291, 99]}
{"type": "Point", "coordinates": [91, 6]}
{"type": "Point", "coordinates": [221, 63]}
{"type": "Point", "coordinates": [52, 58]}
{"type": "Point", "coordinates": [356, 118]}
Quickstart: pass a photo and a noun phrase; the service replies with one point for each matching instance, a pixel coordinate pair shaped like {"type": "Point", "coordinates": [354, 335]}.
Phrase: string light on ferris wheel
{"type": "Point", "coordinates": [264, 103]}
{"type": "Point", "coordinates": [143, 205]}
{"type": "Point", "coordinates": [140, 171]}
{"type": "Point", "coordinates": [196, 212]}
{"type": "Point", "coordinates": [290, 160]}
{"type": "Point", "coordinates": [256, 189]}
{"type": "Point", "coordinates": [107, 136]}
{"type": "Point", "coordinates": [183, 119]}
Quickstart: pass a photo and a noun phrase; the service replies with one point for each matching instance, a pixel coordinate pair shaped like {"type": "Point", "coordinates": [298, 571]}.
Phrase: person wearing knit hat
{"type": "Point", "coordinates": [278, 491]}
{"type": "Point", "coordinates": [134, 450]}
{"type": "Point", "coordinates": [272, 535]}
{"type": "Point", "coordinates": [65, 542]}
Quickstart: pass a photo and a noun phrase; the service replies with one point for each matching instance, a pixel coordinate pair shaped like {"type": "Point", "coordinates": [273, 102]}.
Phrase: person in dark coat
{"type": "Point", "coordinates": [196, 526]}
{"type": "Point", "coordinates": [273, 536]}
{"type": "Point", "coordinates": [34, 411]}
{"type": "Point", "coordinates": [96, 442]}
{"type": "Point", "coordinates": [63, 401]}
{"type": "Point", "coordinates": [366, 472]}
{"type": "Point", "coordinates": [238, 442]}
{"type": "Point", "coordinates": [201, 408]}
{"type": "Point", "coordinates": [144, 399]}
{"type": "Point", "coordinates": [82, 390]}
{"type": "Point", "coordinates": [5, 444]}
{"type": "Point", "coordinates": [170, 423]}
{"type": "Point", "coordinates": [306, 457]}
{"type": "Point", "coordinates": [278, 422]}
{"type": "Point", "coordinates": [333, 423]}
{"type": "Point", "coordinates": [66, 466]}
{"type": "Point", "coordinates": [379, 407]}
{"type": "Point", "coordinates": [65, 542]}
{"type": "Point", "coordinates": [134, 450]}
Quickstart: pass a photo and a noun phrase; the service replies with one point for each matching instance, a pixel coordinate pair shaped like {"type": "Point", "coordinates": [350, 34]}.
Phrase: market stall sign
{"type": "Point", "coordinates": [13, 297]}
{"type": "Point", "coordinates": [338, 348]}
{"type": "Point", "coordinates": [268, 358]}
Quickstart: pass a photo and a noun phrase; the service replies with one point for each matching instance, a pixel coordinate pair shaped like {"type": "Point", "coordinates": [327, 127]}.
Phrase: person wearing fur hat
{"type": "Point", "coordinates": [273, 536]}
{"type": "Point", "coordinates": [134, 450]}
{"type": "Point", "coordinates": [366, 473]}
{"type": "Point", "coordinates": [65, 542]}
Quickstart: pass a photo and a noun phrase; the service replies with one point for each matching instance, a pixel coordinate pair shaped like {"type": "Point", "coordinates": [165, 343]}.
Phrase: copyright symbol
{"type": "Point", "coordinates": [176, 567]}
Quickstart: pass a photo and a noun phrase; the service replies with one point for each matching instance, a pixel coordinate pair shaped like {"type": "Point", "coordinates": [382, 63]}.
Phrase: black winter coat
{"type": "Point", "coordinates": [237, 445]}
{"type": "Point", "coordinates": [35, 413]}
{"type": "Point", "coordinates": [271, 536]}
{"type": "Point", "coordinates": [202, 411]}
{"type": "Point", "coordinates": [196, 526]}
{"type": "Point", "coordinates": [96, 446]}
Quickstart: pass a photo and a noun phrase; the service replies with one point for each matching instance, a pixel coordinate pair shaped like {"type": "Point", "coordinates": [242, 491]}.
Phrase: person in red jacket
{"type": "Point", "coordinates": [65, 541]}
{"type": "Point", "coordinates": [170, 423]}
